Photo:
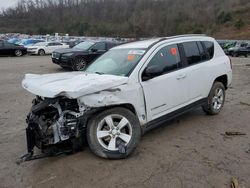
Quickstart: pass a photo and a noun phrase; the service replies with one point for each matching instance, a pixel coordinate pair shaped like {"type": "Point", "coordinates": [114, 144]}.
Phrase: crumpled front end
{"type": "Point", "coordinates": [55, 126]}
{"type": "Point", "coordinates": [58, 118]}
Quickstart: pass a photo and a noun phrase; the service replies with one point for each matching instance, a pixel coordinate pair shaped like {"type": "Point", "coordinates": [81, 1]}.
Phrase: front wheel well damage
{"type": "Point", "coordinates": [96, 111]}
{"type": "Point", "coordinates": [101, 109]}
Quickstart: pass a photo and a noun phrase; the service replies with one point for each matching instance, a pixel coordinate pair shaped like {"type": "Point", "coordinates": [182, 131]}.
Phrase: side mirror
{"type": "Point", "coordinates": [151, 72]}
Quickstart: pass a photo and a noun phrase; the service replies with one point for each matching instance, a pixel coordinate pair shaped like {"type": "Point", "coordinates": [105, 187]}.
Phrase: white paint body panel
{"type": "Point", "coordinates": [47, 49]}
{"type": "Point", "coordinates": [151, 99]}
{"type": "Point", "coordinates": [72, 84]}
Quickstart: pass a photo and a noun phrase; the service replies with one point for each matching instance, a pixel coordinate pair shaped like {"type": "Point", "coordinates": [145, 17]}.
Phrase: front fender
{"type": "Point", "coordinates": [115, 97]}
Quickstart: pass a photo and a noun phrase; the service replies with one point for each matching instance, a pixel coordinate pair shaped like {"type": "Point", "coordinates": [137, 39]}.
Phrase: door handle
{"type": "Point", "coordinates": [181, 76]}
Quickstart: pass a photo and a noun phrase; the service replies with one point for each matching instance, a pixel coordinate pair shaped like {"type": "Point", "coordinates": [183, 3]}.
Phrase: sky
{"type": "Point", "coordinates": [7, 3]}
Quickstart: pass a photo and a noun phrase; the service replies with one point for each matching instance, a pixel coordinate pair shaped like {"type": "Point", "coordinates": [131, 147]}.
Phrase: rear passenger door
{"type": "Point", "coordinates": [54, 46]}
{"type": "Point", "coordinates": [197, 69]}
{"type": "Point", "coordinates": [49, 48]}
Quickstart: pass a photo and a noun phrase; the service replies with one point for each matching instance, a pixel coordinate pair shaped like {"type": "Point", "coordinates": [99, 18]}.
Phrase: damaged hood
{"type": "Point", "coordinates": [71, 84]}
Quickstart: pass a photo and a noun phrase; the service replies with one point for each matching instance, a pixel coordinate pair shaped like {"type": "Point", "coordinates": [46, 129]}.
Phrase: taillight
{"type": "Point", "coordinates": [231, 63]}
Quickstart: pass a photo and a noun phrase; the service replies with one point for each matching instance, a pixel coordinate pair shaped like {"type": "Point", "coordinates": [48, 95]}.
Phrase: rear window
{"type": "Point", "coordinates": [210, 48]}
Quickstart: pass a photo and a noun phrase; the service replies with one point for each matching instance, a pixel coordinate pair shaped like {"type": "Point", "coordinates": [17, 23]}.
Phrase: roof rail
{"type": "Point", "coordinates": [179, 36]}
{"type": "Point", "coordinates": [176, 36]}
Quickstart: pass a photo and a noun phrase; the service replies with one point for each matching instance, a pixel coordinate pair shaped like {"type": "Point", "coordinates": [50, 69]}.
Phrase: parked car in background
{"type": "Point", "coordinates": [9, 49]}
{"type": "Point", "coordinates": [30, 42]}
{"type": "Point", "coordinates": [72, 43]}
{"type": "Point", "coordinates": [128, 90]}
{"type": "Point", "coordinates": [78, 57]}
{"type": "Point", "coordinates": [14, 40]}
{"type": "Point", "coordinates": [228, 45]}
{"type": "Point", "coordinates": [43, 48]}
{"type": "Point", "coordinates": [240, 49]}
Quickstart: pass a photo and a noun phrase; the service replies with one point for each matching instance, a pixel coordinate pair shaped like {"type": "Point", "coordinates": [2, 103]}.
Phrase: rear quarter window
{"type": "Point", "coordinates": [210, 48]}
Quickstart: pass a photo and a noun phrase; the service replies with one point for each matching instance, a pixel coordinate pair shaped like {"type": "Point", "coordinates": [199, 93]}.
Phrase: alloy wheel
{"type": "Point", "coordinates": [218, 99]}
{"type": "Point", "coordinates": [18, 53]}
{"type": "Point", "coordinates": [80, 64]}
{"type": "Point", "coordinates": [114, 129]}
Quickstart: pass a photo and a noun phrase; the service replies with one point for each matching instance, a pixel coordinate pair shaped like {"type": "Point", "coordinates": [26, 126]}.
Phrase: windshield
{"type": "Point", "coordinates": [118, 62]}
{"type": "Point", "coordinates": [84, 45]}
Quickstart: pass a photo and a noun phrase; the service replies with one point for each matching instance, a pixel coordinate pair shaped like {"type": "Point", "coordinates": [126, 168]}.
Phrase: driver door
{"type": "Point", "coordinates": [169, 90]}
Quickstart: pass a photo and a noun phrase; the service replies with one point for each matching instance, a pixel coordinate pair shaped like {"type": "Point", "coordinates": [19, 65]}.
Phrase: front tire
{"type": "Point", "coordinates": [79, 64]}
{"type": "Point", "coordinates": [113, 133]}
{"type": "Point", "coordinates": [41, 52]}
{"type": "Point", "coordinates": [18, 53]}
{"type": "Point", "coordinates": [215, 100]}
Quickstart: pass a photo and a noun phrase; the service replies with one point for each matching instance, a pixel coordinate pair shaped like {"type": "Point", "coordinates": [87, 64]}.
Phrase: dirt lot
{"type": "Point", "coordinates": [188, 152]}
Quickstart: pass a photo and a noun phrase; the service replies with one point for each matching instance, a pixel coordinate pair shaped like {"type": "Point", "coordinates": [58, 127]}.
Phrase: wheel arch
{"type": "Point", "coordinates": [123, 105]}
{"type": "Point", "coordinates": [223, 79]}
{"type": "Point", "coordinates": [80, 56]}
{"type": "Point", "coordinates": [42, 50]}
{"type": "Point", "coordinates": [95, 111]}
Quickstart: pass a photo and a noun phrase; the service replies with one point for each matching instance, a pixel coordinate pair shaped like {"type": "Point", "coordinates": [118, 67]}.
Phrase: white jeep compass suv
{"type": "Point", "coordinates": [128, 90]}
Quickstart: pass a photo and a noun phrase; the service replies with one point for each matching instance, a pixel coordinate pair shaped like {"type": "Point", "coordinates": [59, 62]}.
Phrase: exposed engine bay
{"type": "Point", "coordinates": [55, 126]}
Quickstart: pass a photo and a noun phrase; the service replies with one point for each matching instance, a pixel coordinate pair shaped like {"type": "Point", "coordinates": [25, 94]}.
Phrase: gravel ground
{"type": "Point", "coordinates": [189, 151]}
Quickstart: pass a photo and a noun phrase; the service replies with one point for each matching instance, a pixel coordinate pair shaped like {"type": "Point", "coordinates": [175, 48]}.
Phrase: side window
{"type": "Point", "coordinates": [51, 44]}
{"type": "Point", "coordinates": [110, 45]}
{"type": "Point", "coordinates": [192, 52]}
{"type": "Point", "coordinates": [167, 58]}
{"type": "Point", "coordinates": [203, 53]}
{"type": "Point", "coordinates": [57, 44]}
{"type": "Point", "coordinates": [9, 45]}
{"type": "Point", "coordinates": [243, 45]}
{"type": "Point", "coordinates": [100, 46]}
{"type": "Point", "coordinates": [210, 48]}
{"type": "Point", "coordinates": [1, 44]}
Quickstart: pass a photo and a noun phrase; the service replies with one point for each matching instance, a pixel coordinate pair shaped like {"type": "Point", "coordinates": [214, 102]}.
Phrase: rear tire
{"type": "Point", "coordinates": [41, 52]}
{"type": "Point", "coordinates": [110, 129]}
{"type": "Point", "coordinates": [215, 100]}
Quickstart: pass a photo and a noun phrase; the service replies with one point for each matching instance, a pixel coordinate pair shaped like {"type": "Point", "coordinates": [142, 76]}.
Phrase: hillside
{"type": "Point", "coordinates": [236, 28]}
{"type": "Point", "coordinates": [129, 18]}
